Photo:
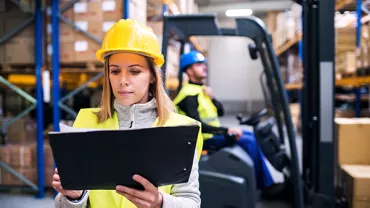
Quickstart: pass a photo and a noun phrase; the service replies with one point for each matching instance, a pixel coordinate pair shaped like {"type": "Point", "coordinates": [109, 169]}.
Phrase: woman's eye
{"type": "Point", "coordinates": [114, 71]}
{"type": "Point", "coordinates": [135, 72]}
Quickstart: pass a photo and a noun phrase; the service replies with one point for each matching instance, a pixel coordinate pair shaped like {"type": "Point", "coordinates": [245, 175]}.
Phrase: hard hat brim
{"type": "Point", "coordinates": [101, 54]}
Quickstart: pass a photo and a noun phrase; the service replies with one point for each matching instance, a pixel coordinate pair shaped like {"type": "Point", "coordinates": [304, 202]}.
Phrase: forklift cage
{"type": "Point", "coordinates": [182, 27]}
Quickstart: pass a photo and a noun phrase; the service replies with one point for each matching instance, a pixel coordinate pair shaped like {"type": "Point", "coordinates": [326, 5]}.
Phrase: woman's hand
{"type": "Point", "coordinates": [149, 198]}
{"type": "Point", "coordinates": [57, 185]}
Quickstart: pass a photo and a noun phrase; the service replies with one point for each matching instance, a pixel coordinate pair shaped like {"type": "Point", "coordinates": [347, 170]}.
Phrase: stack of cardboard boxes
{"type": "Point", "coordinates": [353, 155]}
{"type": "Point", "coordinates": [348, 58]}
{"type": "Point", "coordinates": [95, 17]}
{"type": "Point", "coordinates": [92, 16]}
{"type": "Point", "coordinates": [285, 26]}
{"type": "Point", "coordinates": [23, 159]}
{"type": "Point", "coordinates": [19, 49]}
{"type": "Point", "coordinates": [20, 153]}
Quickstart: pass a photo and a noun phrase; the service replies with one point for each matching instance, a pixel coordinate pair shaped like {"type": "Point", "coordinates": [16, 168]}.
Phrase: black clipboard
{"type": "Point", "coordinates": [100, 160]}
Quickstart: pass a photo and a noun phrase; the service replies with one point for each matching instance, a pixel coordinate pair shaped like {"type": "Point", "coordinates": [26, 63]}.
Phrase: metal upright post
{"type": "Point", "coordinates": [39, 110]}
{"type": "Point", "coordinates": [126, 8]}
{"type": "Point", "coordinates": [55, 60]}
{"type": "Point", "coordinates": [318, 103]}
{"type": "Point", "coordinates": [165, 38]}
{"type": "Point", "coordinates": [358, 50]}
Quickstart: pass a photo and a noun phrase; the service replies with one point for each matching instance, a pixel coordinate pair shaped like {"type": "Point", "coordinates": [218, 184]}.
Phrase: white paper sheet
{"type": "Point", "coordinates": [66, 128]}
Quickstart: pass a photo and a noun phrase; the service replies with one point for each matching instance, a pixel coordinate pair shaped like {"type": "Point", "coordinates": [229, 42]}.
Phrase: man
{"type": "Point", "coordinates": [198, 102]}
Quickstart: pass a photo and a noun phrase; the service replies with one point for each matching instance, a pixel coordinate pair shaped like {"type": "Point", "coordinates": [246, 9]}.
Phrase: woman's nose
{"type": "Point", "coordinates": [124, 79]}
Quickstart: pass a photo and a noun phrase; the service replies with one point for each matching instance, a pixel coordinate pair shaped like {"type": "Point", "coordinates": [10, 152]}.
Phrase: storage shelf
{"type": "Point", "coordinates": [281, 49]}
{"type": "Point", "coordinates": [351, 81]}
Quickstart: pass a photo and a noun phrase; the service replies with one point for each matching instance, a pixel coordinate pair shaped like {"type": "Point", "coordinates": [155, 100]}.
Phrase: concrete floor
{"type": "Point", "coordinates": [17, 200]}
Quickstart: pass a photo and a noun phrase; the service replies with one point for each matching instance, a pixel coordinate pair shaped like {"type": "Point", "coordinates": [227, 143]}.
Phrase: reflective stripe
{"type": "Point", "coordinates": [209, 120]}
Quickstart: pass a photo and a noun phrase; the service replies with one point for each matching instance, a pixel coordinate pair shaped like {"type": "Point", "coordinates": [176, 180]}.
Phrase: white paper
{"type": "Point", "coordinates": [81, 46]}
{"type": "Point", "coordinates": [83, 25]}
{"type": "Point", "coordinates": [108, 6]}
{"type": "Point", "coordinates": [80, 7]}
{"type": "Point", "coordinates": [107, 25]}
{"type": "Point", "coordinates": [50, 29]}
{"type": "Point", "coordinates": [65, 128]}
{"type": "Point", "coordinates": [50, 49]}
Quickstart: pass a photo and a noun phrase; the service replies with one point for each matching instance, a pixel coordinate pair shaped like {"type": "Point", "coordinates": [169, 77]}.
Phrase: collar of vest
{"type": "Point", "coordinates": [196, 83]}
{"type": "Point", "coordinates": [137, 115]}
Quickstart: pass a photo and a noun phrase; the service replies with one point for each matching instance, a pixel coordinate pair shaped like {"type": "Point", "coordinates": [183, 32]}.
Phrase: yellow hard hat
{"type": "Point", "coordinates": [130, 36]}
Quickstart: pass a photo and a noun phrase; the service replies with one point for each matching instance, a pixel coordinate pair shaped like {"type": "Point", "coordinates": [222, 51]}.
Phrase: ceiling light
{"type": "Point", "coordinates": [238, 12]}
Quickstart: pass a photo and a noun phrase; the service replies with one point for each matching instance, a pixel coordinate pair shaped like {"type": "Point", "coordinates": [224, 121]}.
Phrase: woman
{"type": "Point", "coordinates": [133, 97]}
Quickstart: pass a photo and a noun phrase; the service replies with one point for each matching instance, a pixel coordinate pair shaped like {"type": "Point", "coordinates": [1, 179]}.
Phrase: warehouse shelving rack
{"type": "Point", "coordinates": [36, 103]}
{"type": "Point", "coordinates": [355, 82]}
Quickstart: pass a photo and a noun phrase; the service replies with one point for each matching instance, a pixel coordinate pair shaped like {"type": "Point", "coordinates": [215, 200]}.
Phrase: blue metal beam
{"type": "Point", "coordinates": [55, 60]}
{"type": "Point", "coordinates": [39, 110]}
{"type": "Point", "coordinates": [126, 9]}
{"type": "Point", "coordinates": [358, 46]}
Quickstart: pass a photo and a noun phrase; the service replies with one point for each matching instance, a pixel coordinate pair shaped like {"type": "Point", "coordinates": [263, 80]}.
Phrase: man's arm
{"type": "Point", "coordinates": [190, 106]}
{"type": "Point", "coordinates": [220, 108]}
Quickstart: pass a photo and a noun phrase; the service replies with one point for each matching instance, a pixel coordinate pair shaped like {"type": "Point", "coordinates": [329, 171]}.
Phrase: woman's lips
{"type": "Point", "coordinates": [124, 93]}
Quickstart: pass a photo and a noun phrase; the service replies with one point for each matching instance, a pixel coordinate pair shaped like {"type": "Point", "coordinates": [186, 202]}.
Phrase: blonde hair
{"type": "Point", "coordinates": [165, 106]}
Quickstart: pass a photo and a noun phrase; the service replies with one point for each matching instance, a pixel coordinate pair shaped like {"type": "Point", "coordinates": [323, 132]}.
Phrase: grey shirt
{"type": "Point", "coordinates": [185, 195]}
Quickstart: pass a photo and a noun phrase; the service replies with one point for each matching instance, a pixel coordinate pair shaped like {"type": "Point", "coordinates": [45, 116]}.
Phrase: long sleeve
{"type": "Point", "coordinates": [219, 106]}
{"type": "Point", "coordinates": [190, 106]}
{"type": "Point", "coordinates": [62, 202]}
{"type": "Point", "coordinates": [185, 195]}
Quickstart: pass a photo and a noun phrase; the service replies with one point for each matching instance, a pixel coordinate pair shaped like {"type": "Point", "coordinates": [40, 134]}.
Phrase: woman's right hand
{"type": "Point", "coordinates": [57, 185]}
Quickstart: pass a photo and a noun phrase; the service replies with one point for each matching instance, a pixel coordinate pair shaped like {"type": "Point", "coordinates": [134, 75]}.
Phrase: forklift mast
{"type": "Point", "coordinates": [318, 101]}
{"type": "Point", "coordinates": [182, 27]}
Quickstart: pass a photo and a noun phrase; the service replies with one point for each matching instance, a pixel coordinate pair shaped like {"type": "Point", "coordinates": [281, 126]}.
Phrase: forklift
{"type": "Point", "coordinates": [318, 185]}
{"type": "Point", "coordinates": [226, 174]}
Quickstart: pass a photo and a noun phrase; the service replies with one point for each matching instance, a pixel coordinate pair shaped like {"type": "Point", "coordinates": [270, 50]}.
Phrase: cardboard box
{"type": "Point", "coordinates": [5, 154]}
{"type": "Point", "coordinates": [66, 33]}
{"type": "Point", "coordinates": [112, 10]}
{"type": "Point", "coordinates": [20, 50]}
{"type": "Point", "coordinates": [21, 156]}
{"type": "Point", "coordinates": [85, 49]}
{"type": "Point", "coordinates": [22, 131]}
{"type": "Point", "coordinates": [93, 27]}
{"type": "Point", "coordinates": [9, 179]}
{"type": "Point", "coordinates": [88, 10]}
{"type": "Point", "coordinates": [352, 137]}
{"type": "Point", "coordinates": [356, 185]}
{"type": "Point", "coordinates": [14, 22]}
{"type": "Point", "coordinates": [66, 52]}
{"type": "Point", "coordinates": [344, 113]}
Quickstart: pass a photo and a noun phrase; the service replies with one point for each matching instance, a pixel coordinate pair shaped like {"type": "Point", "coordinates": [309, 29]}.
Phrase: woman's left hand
{"type": "Point", "coordinates": [149, 198]}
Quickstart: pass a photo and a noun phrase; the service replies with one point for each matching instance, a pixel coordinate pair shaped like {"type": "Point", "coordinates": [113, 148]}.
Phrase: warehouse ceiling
{"type": "Point", "coordinates": [257, 6]}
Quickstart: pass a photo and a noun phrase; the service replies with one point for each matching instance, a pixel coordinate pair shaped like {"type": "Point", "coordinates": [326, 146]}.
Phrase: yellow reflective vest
{"type": "Point", "coordinates": [86, 118]}
{"type": "Point", "coordinates": [207, 110]}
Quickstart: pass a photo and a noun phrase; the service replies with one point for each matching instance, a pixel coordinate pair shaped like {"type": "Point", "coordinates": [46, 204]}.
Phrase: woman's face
{"type": "Point", "coordinates": [130, 77]}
